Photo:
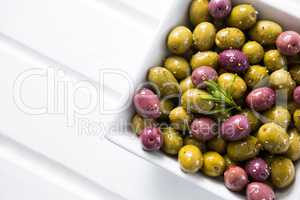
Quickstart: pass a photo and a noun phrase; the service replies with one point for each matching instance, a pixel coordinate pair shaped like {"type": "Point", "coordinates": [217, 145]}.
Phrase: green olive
{"type": "Point", "coordinates": [166, 106]}
{"type": "Point", "coordinates": [186, 84]}
{"type": "Point", "coordinates": [198, 12]}
{"type": "Point", "coordinates": [252, 119]}
{"type": "Point", "coordinates": [180, 40]}
{"type": "Point", "coordinates": [282, 172]}
{"type": "Point", "coordinates": [180, 119]}
{"type": "Point", "coordinates": [213, 165]}
{"type": "Point", "coordinates": [273, 138]}
{"type": "Point", "coordinates": [172, 141]}
{"type": "Point", "coordinates": [282, 80]}
{"type": "Point", "coordinates": [242, 16]}
{"type": "Point", "coordinates": [138, 123]}
{"type": "Point", "coordinates": [265, 32]}
{"type": "Point", "coordinates": [296, 117]}
{"type": "Point", "coordinates": [164, 80]}
{"type": "Point", "coordinates": [244, 149]}
{"type": "Point", "coordinates": [179, 67]}
{"type": "Point", "coordinates": [292, 106]}
{"type": "Point", "coordinates": [234, 84]}
{"type": "Point", "coordinates": [190, 159]}
{"type": "Point", "coordinates": [254, 52]}
{"type": "Point", "coordinates": [204, 36]}
{"type": "Point", "coordinates": [205, 58]}
{"type": "Point", "coordinates": [273, 60]}
{"type": "Point", "coordinates": [293, 152]}
{"type": "Point", "coordinates": [230, 38]}
{"type": "Point", "coordinates": [194, 100]}
{"type": "Point", "coordinates": [190, 140]}
{"type": "Point", "coordinates": [217, 144]}
{"type": "Point", "coordinates": [278, 115]}
{"type": "Point", "coordinates": [295, 73]}
{"type": "Point", "coordinates": [228, 161]}
{"type": "Point", "coordinates": [256, 76]}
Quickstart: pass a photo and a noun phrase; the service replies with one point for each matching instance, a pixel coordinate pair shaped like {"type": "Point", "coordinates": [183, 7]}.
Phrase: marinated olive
{"type": "Point", "coordinates": [233, 60]}
{"type": "Point", "coordinates": [282, 172]}
{"type": "Point", "coordinates": [235, 128]}
{"type": "Point", "coordinates": [186, 84]}
{"type": "Point", "coordinates": [235, 178]}
{"type": "Point", "coordinates": [256, 76]}
{"type": "Point", "coordinates": [198, 11]}
{"type": "Point", "coordinates": [273, 60]}
{"type": "Point", "coordinates": [229, 162]}
{"type": "Point", "coordinates": [178, 66]}
{"type": "Point", "coordinates": [217, 144]}
{"type": "Point", "coordinates": [204, 128]}
{"type": "Point", "coordinates": [234, 84]}
{"type": "Point", "coordinates": [288, 43]}
{"type": "Point", "coordinates": [219, 9]}
{"type": "Point", "coordinates": [139, 123]}
{"type": "Point", "coordinates": [190, 140]}
{"type": "Point", "coordinates": [258, 169]}
{"type": "Point", "coordinates": [204, 36]}
{"type": "Point", "coordinates": [254, 52]}
{"type": "Point", "coordinates": [230, 38]}
{"type": "Point", "coordinates": [261, 99]}
{"type": "Point", "coordinates": [293, 152]}
{"type": "Point", "coordinates": [190, 159]}
{"type": "Point", "coordinates": [213, 165]}
{"type": "Point", "coordinates": [259, 191]}
{"type": "Point", "coordinates": [202, 74]}
{"type": "Point", "coordinates": [252, 119]}
{"type": "Point", "coordinates": [180, 40]}
{"type": "Point", "coordinates": [244, 149]}
{"type": "Point", "coordinates": [179, 119]}
{"type": "Point", "coordinates": [166, 106]}
{"type": "Point", "coordinates": [205, 58]}
{"type": "Point", "coordinates": [279, 115]}
{"type": "Point", "coordinates": [172, 141]}
{"type": "Point", "coordinates": [281, 79]}
{"type": "Point", "coordinates": [151, 139]}
{"type": "Point", "coordinates": [296, 95]}
{"type": "Point", "coordinates": [295, 73]}
{"type": "Point", "coordinates": [273, 138]}
{"type": "Point", "coordinates": [296, 117]}
{"type": "Point", "coordinates": [265, 32]}
{"type": "Point", "coordinates": [242, 16]}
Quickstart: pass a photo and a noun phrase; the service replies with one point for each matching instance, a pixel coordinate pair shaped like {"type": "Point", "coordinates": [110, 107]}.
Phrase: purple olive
{"type": "Point", "coordinates": [235, 128]}
{"type": "Point", "coordinates": [151, 139]}
{"type": "Point", "coordinates": [259, 191]}
{"type": "Point", "coordinates": [261, 99]}
{"type": "Point", "coordinates": [288, 43]}
{"type": "Point", "coordinates": [258, 169]}
{"type": "Point", "coordinates": [204, 128]}
{"type": "Point", "coordinates": [147, 104]}
{"type": "Point", "coordinates": [233, 60]}
{"type": "Point", "coordinates": [219, 9]}
{"type": "Point", "coordinates": [296, 95]}
{"type": "Point", "coordinates": [235, 178]}
{"type": "Point", "coordinates": [202, 74]}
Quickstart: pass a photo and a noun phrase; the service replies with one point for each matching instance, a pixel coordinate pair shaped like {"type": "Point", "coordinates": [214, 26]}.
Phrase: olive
{"type": "Point", "coordinates": [242, 16]}
{"type": "Point", "coordinates": [244, 149]}
{"type": "Point", "coordinates": [180, 119]}
{"type": "Point", "coordinates": [230, 38]}
{"type": "Point", "coordinates": [151, 139]}
{"type": "Point", "coordinates": [296, 95]}
{"type": "Point", "coordinates": [288, 43]}
{"type": "Point", "coordinates": [278, 115]}
{"type": "Point", "coordinates": [180, 40]}
{"type": "Point", "coordinates": [172, 141]}
{"type": "Point", "coordinates": [166, 106]}
{"type": "Point", "coordinates": [295, 73]}
{"type": "Point", "coordinates": [256, 76]}
{"type": "Point", "coordinates": [252, 119]}
{"type": "Point", "coordinates": [235, 128]}
{"type": "Point", "coordinates": [254, 52]}
{"type": "Point", "coordinates": [261, 99]}
{"type": "Point", "coordinates": [273, 138]}
{"type": "Point", "coordinates": [233, 84]}
{"type": "Point", "coordinates": [204, 36]}
{"type": "Point", "coordinates": [265, 32]}
{"type": "Point", "coordinates": [213, 164]}
{"type": "Point", "coordinates": [293, 152]}
{"type": "Point", "coordinates": [164, 80]}
{"type": "Point", "coordinates": [198, 11]}
{"type": "Point", "coordinates": [219, 9]}
{"type": "Point", "coordinates": [204, 128]}
{"type": "Point", "coordinates": [205, 58]}
{"type": "Point", "coordinates": [138, 123]}
{"type": "Point", "coordinates": [229, 162]}
{"type": "Point", "coordinates": [202, 74]}
{"type": "Point", "coordinates": [217, 144]}
{"type": "Point", "coordinates": [147, 103]}
{"type": "Point", "coordinates": [233, 60]}
{"type": "Point", "coordinates": [195, 100]}
{"type": "Point", "coordinates": [235, 178]}
{"type": "Point", "coordinates": [282, 172]}
{"type": "Point", "coordinates": [296, 117]}
{"type": "Point", "coordinates": [186, 84]}
{"type": "Point", "coordinates": [282, 80]}
{"type": "Point", "coordinates": [178, 66]}
{"type": "Point", "coordinates": [274, 60]}
{"type": "Point", "coordinates": [190, 140]}
{"type": "Point", "coordinates": [259, 191]}
{"type": "Point", "coordinates": [190, 159]}
{"type": "Point", "coordinates": [258, 169]}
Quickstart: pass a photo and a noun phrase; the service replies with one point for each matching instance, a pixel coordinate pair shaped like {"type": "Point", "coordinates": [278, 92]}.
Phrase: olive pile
{"type": "Point", "coordinates": [226, 100]}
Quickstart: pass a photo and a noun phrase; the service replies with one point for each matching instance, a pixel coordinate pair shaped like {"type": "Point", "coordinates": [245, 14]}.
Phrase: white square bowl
{"type": "Point", "coordinates": [285, 12]}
